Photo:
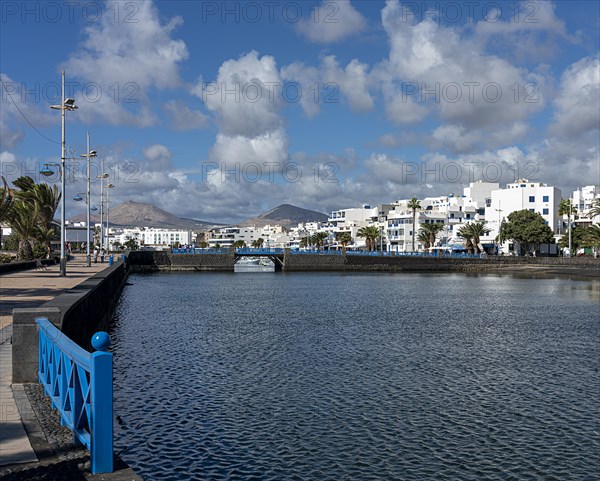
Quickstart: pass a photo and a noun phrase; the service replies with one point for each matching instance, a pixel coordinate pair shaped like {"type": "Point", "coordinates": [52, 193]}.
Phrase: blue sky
{"type": "Point", "coordinates": [221, 110]}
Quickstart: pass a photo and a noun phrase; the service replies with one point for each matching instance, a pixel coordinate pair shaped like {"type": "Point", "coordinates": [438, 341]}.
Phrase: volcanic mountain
{"type": "Point", "coordinates": [286, 215]}
{"type": "Point", "coordinates": [135, 214]}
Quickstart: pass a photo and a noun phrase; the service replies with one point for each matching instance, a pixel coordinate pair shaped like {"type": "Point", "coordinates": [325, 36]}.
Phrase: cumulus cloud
{"type": "Point", "coordinates": [530, 30]}
{"type": "Point", "coordinates": [182, 118]}
{"type": "Point", "coordinates": [19, 107]}
{"type": "Point", "coordinates": [326, 83]}
{"type": "Point", "coordinates": [577, 102]}
{"type": "Point", "coordinates": [158, 158]}
{"type": "Point", "coordinates": [437, 68]}
{"type": "Point", "coordinates": [332, 21]}
{"type": "Point", "coordinates": [122, 61]}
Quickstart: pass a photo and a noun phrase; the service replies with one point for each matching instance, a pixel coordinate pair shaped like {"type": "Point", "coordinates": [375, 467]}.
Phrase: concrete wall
{"type": "Point", "coordinates": [23, 265]}
{"type": "Point", "coordinates": [79, 313]}
{"type": "Point", "coordinates": [144, 261]}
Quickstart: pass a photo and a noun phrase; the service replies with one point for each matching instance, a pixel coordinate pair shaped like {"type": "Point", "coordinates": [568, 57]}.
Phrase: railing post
{"type": "Point", "coordinates": [101, 450]}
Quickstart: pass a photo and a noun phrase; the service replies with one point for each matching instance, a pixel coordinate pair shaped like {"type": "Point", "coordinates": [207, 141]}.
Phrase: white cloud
{"type": "Point", "coordinates": [122, 61]}
{"type": "Point", "coordinates": [245, 96]}
{"type": "Point", "coordinates": [182, 118]}
{"type": "Point", "coordinates": [577, 102]}
{"type": "Point", "coordinates": [437, 68]}
{"type": "Point", "coordinates": [323, 85]}
{"type": "Point", "coordinates": [19, 109]}
{"type": "Point", "coordinates": [530, 31]}
{"type": "Point", "coordinates": [158, 158]}
{"type": "Point", "coordinates": [332, 21]}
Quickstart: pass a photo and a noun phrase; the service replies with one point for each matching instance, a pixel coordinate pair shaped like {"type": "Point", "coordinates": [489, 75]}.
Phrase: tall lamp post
{"type": "Point", "coordinates": [90, 154]}
{"type": "Point", "coordinates": [108, 187]}
{"type": "Point", "coordinates": [570, 236]}
{"type": "Point", "coordinates": [499, 210]}
{"type": "Point", "coordinates": [103, 175]}
{"type": "Point", "coordinates": [67, 104]}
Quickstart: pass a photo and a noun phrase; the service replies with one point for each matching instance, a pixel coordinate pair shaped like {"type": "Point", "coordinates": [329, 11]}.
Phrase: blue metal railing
{"type": "Point", "coordinates": [79, 385]}
{"type": "Point", "coordinates": [199, 250]}
{"type": "Point", "coordinates": [317, 252]}
{"type": "Point", "coordinates": [262, 251]}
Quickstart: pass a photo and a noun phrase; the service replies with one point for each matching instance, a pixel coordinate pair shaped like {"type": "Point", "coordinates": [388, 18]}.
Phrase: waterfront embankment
{"type": "Point", "coordinates": [34, 444]}
{"type": "Point", "coordinates": [148, 261]}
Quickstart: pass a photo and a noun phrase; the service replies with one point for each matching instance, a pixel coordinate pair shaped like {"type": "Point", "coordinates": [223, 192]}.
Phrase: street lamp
{"type": "Point", "coordinates": [89, 155]}
{"type": "Point", "coordinates": [108, 187]}
{"type": "Point", "coordinates": [499, 210]}
{"type": "Point", "coordinates": [570, 235]}
{"type": "Point", "coordinates": [78, 198]}
{"type": "Point", "coordinates": [102, 176]}
{"type": "Point", "coordinates": [67, 104]}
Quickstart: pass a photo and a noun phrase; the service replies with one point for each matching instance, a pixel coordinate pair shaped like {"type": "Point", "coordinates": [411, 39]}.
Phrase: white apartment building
{"type": "Point", "coordinates": [150, 236]}
{"type": "Point", "coordinates": [523, 194]}
{"type": "Point", "coordinates": [583, 199]}
{"type": "Point", "coordinates": [352, 220]}
{"type": "Point", "coordinates": [453, 211]}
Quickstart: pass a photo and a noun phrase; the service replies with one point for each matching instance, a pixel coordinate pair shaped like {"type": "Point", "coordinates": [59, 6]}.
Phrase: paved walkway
{"type": "Point", "coordinates": [30, 288]}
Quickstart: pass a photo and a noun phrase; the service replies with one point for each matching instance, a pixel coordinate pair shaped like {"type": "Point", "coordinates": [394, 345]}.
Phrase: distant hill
{"type": "Point", "coordinates": [136, 214]}
{"type": "Point", "coordinates": [286, 215]}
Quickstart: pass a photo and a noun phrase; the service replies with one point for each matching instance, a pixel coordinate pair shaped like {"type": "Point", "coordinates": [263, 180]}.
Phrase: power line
{"type": "Point", "coordinates": [24, 116]}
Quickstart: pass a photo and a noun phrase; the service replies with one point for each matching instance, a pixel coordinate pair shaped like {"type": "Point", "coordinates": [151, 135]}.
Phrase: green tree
{"type": "Point", "coordinates": [466, 233]}
{"type": "Point", "coordinates": [528, 229]}
{"type": "Point", "coordinates": [318, 239]}
{"type": "Point", "coordinates": [344, 238]}
{"type": "Point", "coordinates": [566, 208]}
{"type": "Point", "coordinates": [203, 244]}
{"type": "Point", "coordinates": [577, 235]}
{"type": "Point", "coordinates": [423, 238]}
{"type": "Point", "coordinates": [258, 243]}
{"type": "Point", "coordinates": [591, 238]}
{"type": "Point", "coordinates": [430, 232]}
{"type": "Point", "coordinates": [414, 205]}
{"type": "Point", "coordinates": [131, 245]}
{"type": "Point", "coordinates": [477, 230]}
{"type": "Point", "coordinates": [370, 234]}
{"type": "Point", "coordinates": [6, 201]}
{"type": "Point", "coordinates": [239, 243]}
{"type": "Point", "coordinates": [595, 210]}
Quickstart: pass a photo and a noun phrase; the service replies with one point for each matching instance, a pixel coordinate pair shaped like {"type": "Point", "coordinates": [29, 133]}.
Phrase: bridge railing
{"type": "Point", "coordinates": [79, 385]}
{"type": "Point", "coordinates": [199, 250]}
{"type": "Point", "coordinates": [317, 252]}
{"type": "Point", "coordinates": [262, 251]}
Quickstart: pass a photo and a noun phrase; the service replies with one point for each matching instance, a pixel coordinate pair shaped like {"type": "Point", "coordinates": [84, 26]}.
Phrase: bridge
{"type": "Point", "coordinates": [275, 255]}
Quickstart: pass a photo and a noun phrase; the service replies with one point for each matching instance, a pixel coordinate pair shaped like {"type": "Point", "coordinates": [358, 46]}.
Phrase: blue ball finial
{"type": "Point", "coordinates": [101, 341]}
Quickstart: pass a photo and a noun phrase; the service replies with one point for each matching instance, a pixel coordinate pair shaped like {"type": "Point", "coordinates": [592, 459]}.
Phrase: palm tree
{"type": "Point", "coordinates": [23, 223]}
{"type": "Point", "coordinates": [344, 238]}
{"type": "Point", "coordinates": [413, 204]}
{"type": "Point", "coordinates": [45, 200]}
{"type": "Point", "coordinates": [6, 202]}
{"type": "Point", "coordinates": [466, 233]}
{"type": "Point", "coordinates": [319, 238]}
{"type": "Point", "coordinates": [565, 207]}
{"type": "Point", "coordinates": [591, 238]}
{"type": "Point", "coordinates": [430, 232]}
{"type": "Point", "coordinates": [423, 238]}
{"type": "Point", "coordinates": [258, 243]}
{"type": "Point", "coordinates": [477, 230]}
{"type": "Point", "coordinates": [595, 210]}
{"type": "Point", "coordinates": [370, 234]}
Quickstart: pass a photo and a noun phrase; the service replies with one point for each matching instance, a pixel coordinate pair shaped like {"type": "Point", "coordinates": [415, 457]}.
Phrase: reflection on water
{"type": "Point", "coordinates": [355, 376]}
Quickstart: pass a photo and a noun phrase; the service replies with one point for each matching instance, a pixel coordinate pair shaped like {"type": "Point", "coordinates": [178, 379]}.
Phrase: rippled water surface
{"type": "Point", "coordinates": [358, 377]}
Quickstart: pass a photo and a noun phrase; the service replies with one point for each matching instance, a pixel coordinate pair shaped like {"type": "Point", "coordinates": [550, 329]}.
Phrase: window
{"type": "Point", "coordinates": [531, 210]}
{"type": "Point", "coordinates": [546, 198]}
{"type": "Point", "coordinates": [545, 211]}
{"type": "Point", "coordinates": [531, 198]}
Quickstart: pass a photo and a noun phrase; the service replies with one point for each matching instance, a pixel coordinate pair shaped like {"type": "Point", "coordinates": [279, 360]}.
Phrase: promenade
{"type": "Point", "coordinates": [27, 289]}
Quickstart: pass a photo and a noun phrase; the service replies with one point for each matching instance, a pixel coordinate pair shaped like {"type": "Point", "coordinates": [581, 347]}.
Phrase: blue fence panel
{"type": "Point", "coordinates": [318, 252]}
{"type": "Point", "coordinates": [262, 251]}
{"type": "Point", "coordinates": [79, 385]}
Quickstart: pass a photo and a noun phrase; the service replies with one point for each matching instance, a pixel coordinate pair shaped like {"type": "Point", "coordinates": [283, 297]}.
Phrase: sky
{"type": "Point", "coordinates": [221, 110]}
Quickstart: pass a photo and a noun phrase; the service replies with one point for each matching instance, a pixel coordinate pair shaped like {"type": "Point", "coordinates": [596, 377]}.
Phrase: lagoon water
{"type": "Point", "coordinates": [330, 376]}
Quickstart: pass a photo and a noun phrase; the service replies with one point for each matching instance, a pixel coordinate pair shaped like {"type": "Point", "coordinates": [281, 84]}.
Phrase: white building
{"type": "Point", "coordinates": [520, 195]}
{"type": "Point", "coordinates": [351, 221]}
{"type": "Point", "coordinates": [583, 200]}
